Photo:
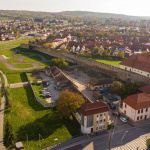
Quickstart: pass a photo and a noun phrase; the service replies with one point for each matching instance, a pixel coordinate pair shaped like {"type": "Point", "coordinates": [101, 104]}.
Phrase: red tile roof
{"type": "Point", "coordinates": [138, 101]}
{"type": "Point", "coordinates": [94, 108]}
{"type": "Point", "coordinates": [141, 62]}
{"type": "Point", "coordinates": [145, 89]}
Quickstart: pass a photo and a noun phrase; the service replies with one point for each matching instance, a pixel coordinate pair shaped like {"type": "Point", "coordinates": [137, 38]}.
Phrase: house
{"type": "Point", "coordinates": [137, 107]}
{"type": "Point", "coordinates": [138, 64]}
{"type": "Point", "coordinates": [95, 84]}
{"type": "Point", "coordinates": [94, 117]}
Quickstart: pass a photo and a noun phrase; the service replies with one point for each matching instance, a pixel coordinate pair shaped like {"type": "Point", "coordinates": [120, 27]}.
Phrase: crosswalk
{"type": "Point", "coordinates": [137, 144]}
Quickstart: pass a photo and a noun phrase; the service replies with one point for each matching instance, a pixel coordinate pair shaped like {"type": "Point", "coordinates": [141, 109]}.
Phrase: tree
{"type": "Point", "coordinates": [116, 86]}
{"type": "Point", "coordinates": [96, 51]}
{"type": "Point", "coordinates": [68, 102]}
{"type": "Point", "coordinates": [131, 87]}
{"type": "Point", "coordinates": [120, 54]}
{"type": "Point", "coordinates": [9, 138]}
{"type": "Point", "coordinates": [6, 94]}
{"type": "Point", "coordinates": [51, 37]}
{"type": "Point", "coordinates": [65, 50]}
{"type": "Point", "coordinates": [60, 63]}
{"type": "Point", "coordinates": [79, 34]}
{"type": "Point", "coordinates": [30, 46]}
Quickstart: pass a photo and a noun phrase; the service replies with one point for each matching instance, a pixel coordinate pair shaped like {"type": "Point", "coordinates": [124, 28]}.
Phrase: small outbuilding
{"type": "Point", "coordinates": [97, 95]}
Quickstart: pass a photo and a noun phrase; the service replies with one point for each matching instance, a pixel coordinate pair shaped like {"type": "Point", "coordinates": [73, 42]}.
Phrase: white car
{"type": "Point", "coordinates": [43, 90]}
{"type": "Point", "coordinates": [123, 119]}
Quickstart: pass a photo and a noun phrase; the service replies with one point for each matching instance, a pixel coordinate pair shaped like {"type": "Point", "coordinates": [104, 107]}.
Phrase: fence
{"type": "Point", "coordinates": [41, 102]}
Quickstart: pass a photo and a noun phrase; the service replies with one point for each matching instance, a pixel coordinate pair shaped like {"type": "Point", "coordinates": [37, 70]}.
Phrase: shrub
{"type": "Point", "coordinates": [148, 143]}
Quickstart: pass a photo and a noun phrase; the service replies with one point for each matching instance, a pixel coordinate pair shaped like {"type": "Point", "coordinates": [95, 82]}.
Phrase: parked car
{"type": "Point", "coordinates": [113, 107]}
{"type": "Point", "coordinates": [123, 119]}
{"type": "Point", "coordinates": [44, 89]}
{"type": "Point", "coordinates": [45, 93]}
{"type": "Point", "coordinates": [103, 91]}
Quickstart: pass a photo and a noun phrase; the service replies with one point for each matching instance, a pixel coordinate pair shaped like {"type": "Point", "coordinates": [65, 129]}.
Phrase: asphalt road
{"type": "Point", "coordinates": [101, 142]}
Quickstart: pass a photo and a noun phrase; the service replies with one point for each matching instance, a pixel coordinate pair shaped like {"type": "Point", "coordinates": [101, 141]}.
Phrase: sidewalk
{"type": "Point", "coordinates": [2, 147]}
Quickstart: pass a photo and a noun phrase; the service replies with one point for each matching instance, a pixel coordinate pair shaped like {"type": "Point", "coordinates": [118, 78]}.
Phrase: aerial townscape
{"type": "Point", "coordinates": [74, 80]}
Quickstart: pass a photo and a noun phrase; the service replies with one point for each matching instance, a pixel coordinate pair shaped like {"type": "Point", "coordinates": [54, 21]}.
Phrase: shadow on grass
{"type": "Point", "coordinates": [46, 126]}
{"type": "Point", "coordinates": [23, 77]}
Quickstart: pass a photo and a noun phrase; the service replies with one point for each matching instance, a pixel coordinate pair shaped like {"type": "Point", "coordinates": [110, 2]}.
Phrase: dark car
{"type": "Point", "coordinates": [113, 107]}
{"type": "Point", "coordinates": [107, 103]}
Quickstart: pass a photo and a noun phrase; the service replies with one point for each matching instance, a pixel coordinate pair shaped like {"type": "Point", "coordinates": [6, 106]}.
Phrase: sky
{"type": "Point", "coordinates": [127, 7]}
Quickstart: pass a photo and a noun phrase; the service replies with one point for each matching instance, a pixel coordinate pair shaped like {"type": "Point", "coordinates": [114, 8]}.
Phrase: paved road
{"type": "Point", "coordinates": [2, 114]}
{"type": "Point", "coordinates": [20, 84]}
{"type": "Point", "coordinates": [101, 142]}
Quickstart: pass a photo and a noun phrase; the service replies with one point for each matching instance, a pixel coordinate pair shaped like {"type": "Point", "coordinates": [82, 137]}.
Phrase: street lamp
{"type": "Point", "coordinates": [40, 137]}
{"type": "Point", "coordinates": [123, 137]}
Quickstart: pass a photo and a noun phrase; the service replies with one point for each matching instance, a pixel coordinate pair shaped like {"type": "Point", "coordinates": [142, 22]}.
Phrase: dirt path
{"type": "Point", "coordinates": [2, 147]}
{"type": "Point", "coordinates": [11, 66]}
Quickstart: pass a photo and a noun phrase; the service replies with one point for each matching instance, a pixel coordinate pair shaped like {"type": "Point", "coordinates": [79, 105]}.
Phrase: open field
{"type": "Point", "coordinates": [106, 61]}
{"type": "Point", "coordinates": [23, 66]}
{"type": "Point", "coordinates": [27, 116]}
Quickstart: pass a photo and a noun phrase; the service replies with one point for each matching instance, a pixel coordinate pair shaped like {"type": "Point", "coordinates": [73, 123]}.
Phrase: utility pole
{"type": "Point", "coordinates": [110, 138]}
{"type": "Point", "coordinates": [27, 142]}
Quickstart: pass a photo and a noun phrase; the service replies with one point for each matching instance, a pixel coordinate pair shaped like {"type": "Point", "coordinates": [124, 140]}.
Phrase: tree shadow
{"type": "Point", "coordinates": [46, 126]}
{"type": "Point", "coordinates": [23, 77]}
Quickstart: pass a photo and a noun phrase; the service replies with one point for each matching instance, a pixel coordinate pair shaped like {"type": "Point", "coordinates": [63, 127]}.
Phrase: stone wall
{"type": "Point", "coordinates": [112, 71]}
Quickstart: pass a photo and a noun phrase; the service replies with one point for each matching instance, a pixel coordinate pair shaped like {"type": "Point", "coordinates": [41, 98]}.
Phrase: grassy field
{"type": "Point", "coordinates": [13, 60]}
{"type": "Point", "coordinates": [31, 59]}
{"type": "Point", "coordinates": [27, 116]}
{"type": "Point", "coordinates": [106, 61]}
{"type": "Point", "coordinates": [45, 64]}
{"type": "Point", "coordinates": [23, 65]}
{"type": "Point", "coordinates": [7, 53]}
{"type": "Point", "coordinates": [14, 76]}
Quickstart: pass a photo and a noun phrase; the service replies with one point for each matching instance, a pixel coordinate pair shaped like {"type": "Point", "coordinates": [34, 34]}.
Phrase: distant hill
{"type": "Point", "coordinates": [102, 15]}
{"type": "Point", "coordinates": [18, 14]}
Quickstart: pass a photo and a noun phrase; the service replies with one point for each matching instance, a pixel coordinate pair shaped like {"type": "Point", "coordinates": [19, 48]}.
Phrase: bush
{"type": "Point", "coordinates": [148, 143]}
{"type": "Point", "coordinates": [110, 126]}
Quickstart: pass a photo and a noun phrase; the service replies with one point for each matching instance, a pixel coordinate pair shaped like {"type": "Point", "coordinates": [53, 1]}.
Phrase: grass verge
{"type": "Point", "coordinates": [31, 59]}
{"type": "Point", "coordinates": [27, 116]}
{"type": "Point", "coordinates": [23, 65]}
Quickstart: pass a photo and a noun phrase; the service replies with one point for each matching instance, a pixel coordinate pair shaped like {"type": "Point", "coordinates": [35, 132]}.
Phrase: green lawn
{"type": "Point", "coordinates": [27, 116]}
{"type": "Point", "coordinates": [106, 61]}
{"type": "Point", "coordinates": [31, 59]}
{"type": "Point", "coordinates": [37, 89]}
{"type": "Point", "coordinates": [45, 64]}
{"type": "Point", "coordinates": [7, 53]}
{"type": "Point", "coordinates": [23, 65]}
{"type": "Point", "coordinates": [13, 60]}
{"type": "Point", "coordinates": [14, 76]}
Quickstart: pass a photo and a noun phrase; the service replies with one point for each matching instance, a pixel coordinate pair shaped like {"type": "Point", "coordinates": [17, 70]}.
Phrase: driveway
{"type": "Point", "coordinates": [51, 87]}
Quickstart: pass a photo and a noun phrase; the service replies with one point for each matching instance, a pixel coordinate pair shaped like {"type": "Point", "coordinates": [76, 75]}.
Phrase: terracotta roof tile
{"type": "Point", "coordinates": [138, 101]}
{"type": "Point", "coordinates": [145, 89]}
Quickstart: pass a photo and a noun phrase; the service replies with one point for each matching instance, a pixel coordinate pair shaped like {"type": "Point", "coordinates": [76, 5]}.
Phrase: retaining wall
{"type": "Point", "coordinates": [112, 71]}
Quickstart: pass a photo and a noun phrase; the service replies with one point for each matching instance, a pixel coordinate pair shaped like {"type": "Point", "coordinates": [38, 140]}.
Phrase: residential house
{"type": "Point", "coordinates": [145, 89]}
{"type": "Point", "coordinates": [137, 107]}
{"type": "Point", "coordinates": [138, 64]}
{"type": "Point", "coordinates": [95, 84]}
{"type": "Point", "coordinates": [94, 117]}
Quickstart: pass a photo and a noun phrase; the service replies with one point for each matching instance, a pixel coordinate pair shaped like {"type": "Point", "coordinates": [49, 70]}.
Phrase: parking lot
{"type": "Point", "coordinates": [51, 88]}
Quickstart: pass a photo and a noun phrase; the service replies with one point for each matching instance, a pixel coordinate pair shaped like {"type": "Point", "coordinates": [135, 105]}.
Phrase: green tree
{"type": "Point", "coordinates": [79, 34]}
{"type": "Point", "coordinates": [5, 93]}
{"type": "Point", "coordinates": [116, 86]}
{"type": "Point", "coordinates": [68, 102]}
{"type": "Point", "coordinates": [131, 87]}
{"type": "Point", "coordinates": [30, 46]}
{"type": "Point", "coordinates": [9, 138]}
{"type": "Point", "coordinates": [96, 51]}
{"type": "Point", "coordinates": [60, 63]}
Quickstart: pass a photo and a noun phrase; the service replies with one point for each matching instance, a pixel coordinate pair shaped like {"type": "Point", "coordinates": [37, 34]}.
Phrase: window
{"type": "Point", "coordinates": [82, 118]}
{"type": "Point", "coordinates": [104, 120]}
{"type": "Point", "coordinates": [101, 115]}
{"type": "Point", "coordinates": [146, 109]}
{"type": "Point", "coordinates": [124, 112]}
{"type": "Point", "coordinates": [104, 127]}
{"type": "Point", "coordinates": [137, 118]}
{"type": "Point", "coordinates": [96, 128]}
{"type": "Point", "coordinates": [125, 106]}
{"type": "Point", "coordinates": [141, 110]}
{"type": "Point", "coordinates": [148, 75]}
{"type": "Point", "coordinates": [96, 121]}
{"type": "Point", "coordinates": [97, 115]}
{"type": "Point", "coordinates": [138, 111]}
{"type": "Point", "coordinates": [141, 117]}
{"type": "Point", "coordinates": [100, 121]}
{"type": "Point", "coordinates": [104, 114]}
{"type": "Point", "coordinates": [89, 120]}
{"type": "Point", "coordinates": [100, 127]}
